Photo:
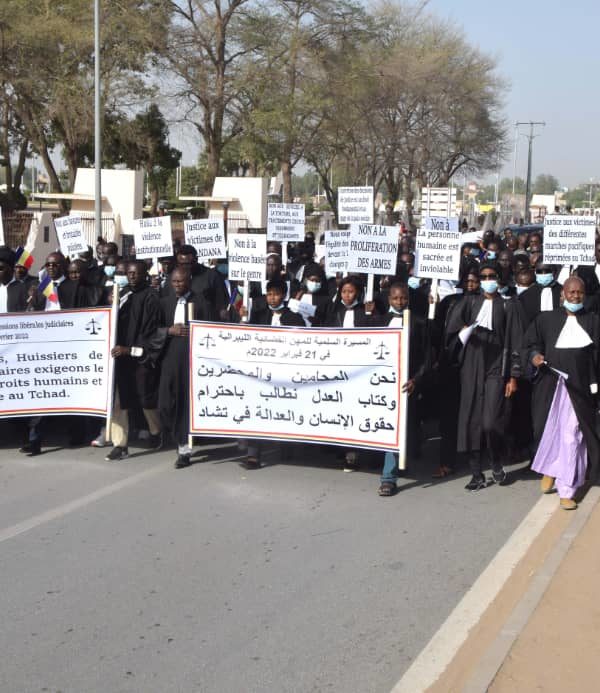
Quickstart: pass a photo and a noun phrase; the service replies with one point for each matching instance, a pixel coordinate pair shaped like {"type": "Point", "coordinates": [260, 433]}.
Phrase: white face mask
{"type": "Point", "coordinates": [312, 287]}
{"type": "Point", "coordinates": [120, 280]}
{"type": "Point", "coordinates": [275, 308]}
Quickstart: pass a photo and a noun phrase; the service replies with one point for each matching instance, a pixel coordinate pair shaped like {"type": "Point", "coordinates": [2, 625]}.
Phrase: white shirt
{"type": "Point", "coordinates": [572, 335]}
{"type": "Point", "coordinates": [180, 312]}
{"type": "Point", "coordinates": [485, 316]}
{"type": "Point", "coordinates": [4, 296]}
{"type": "Point", "coordinates": [275, 318]}
{"type": "Point", "coordinates": [546, 299]}
{"type": "Point", "coordinates": [348, 318]}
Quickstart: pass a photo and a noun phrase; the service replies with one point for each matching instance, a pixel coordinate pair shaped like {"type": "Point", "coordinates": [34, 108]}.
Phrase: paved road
{"type": "Point", "coordinates": [132, 576]}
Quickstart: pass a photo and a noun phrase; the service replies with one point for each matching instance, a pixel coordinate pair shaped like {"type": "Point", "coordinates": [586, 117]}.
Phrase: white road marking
{"type": "Point", "coordinates": [71, 506]}
{"type": "Point", "coordinates": [443, 646]}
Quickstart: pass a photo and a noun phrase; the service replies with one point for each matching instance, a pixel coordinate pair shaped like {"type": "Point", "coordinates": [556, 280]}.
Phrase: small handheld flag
{"type": "Point", "coordinates": [47, 288]}
{"type": "Point", "coordinates": [23, 257]}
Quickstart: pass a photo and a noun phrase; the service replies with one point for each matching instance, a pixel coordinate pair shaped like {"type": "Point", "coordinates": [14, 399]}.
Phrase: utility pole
{"type": "Point", "coordinates": [531, 136]}
{"type": "Point", "coordinates": [97, 124]}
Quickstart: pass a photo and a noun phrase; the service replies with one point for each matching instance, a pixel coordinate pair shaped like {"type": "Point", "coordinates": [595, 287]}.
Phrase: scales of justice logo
{"type": "Point", "coordinates": [93, 327]}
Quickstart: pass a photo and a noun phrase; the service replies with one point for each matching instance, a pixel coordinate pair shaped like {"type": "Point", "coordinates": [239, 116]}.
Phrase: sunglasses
{"type": "Point", "coordinates": [488, 276]}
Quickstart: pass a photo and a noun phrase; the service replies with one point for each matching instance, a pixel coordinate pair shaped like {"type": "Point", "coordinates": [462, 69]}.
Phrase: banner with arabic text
{"type": "Point", "coordinates": [331, 386]}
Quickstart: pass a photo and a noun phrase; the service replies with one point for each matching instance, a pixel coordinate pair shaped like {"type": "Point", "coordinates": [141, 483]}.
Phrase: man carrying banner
{"type": "Point", "coordinates": [174, 387]}
{"type": "Point", "coordinates": [136, 378]}
{"type": "Point", "coordinates": [563, 345]}
{"type": "Point", "coordinates": [13, 294]}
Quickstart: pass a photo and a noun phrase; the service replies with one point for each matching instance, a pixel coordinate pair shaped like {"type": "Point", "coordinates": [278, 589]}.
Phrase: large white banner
{"type": "Point", "coordinates": [438, 245]}
{"type": "Point", "coordinates": [337, 386]}
{"type": "Point", "coordinates": [69, 231]}
{"type": "Point", "coordinates": [285, 222]}
{"type": "Point", "coordinates": [336, 251]}
{"type": "Point", "coordinates": [355, 205]}
{"type": "Point", "coordinates": [569, 240]}
{"type": "Point", "coordinates": [247, 256]}
{"type": "Point", "coordinates": [55, 363]}
{"type": "Point", "coordinates": [207, 236]}
{"type": "Point", "coordinates": [373, 249]}
{"type": "Point", "coordinates": [152, 237]}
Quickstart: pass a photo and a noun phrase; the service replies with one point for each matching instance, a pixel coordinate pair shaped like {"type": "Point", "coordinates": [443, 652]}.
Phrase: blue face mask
{"type": "Point", "coordinates": [312, 287]}
{"type": "Point", "coordinates": [279, 307]}
{"type": "Point", "coordinates": [490, 286]}
{"type": "Point", "coordinates": [414, 282]}
{"type": "Point", "coordinates": [572, 307]}
{"type": "Point", "coordinates": [520, 289]}
{"type": "Point", "coordinates": [503, 290]}
{"type": "Point", "coordinates": [491, 254]}
{"type": "Point", "coordinates": [474, 252]}
{"type": "Point", "coordinates": [121, 280]}
{"type": "Point", "coordinates": [544, 279]}
{"type": "Point", "coordinates": [223, 269]}
{"type": "Point", "coordinates": [109, 270]}
{"type": "Point", "coordinates": [395, 311]}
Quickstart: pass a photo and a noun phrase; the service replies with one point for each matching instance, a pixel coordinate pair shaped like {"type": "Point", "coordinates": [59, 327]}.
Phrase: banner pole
{"type": "Point", "coordinates": [434, 282]}
{"type": "Point", "coordinates": [404, 365]}
{"type": "Point", "coordinates": [114, 316]}
{"type": "Point", "coordinates": [246, 297]}
{"type": "Point", "coordinates": [369, 293]}
{"type": "Point", "coordinates": [190, 317]}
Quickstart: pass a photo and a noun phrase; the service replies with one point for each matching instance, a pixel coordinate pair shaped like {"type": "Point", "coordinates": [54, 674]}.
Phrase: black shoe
{"type": "Point", "coordinates": [476, 483]}
{"type": "Point", "coordinates": [117, 453]}
{"type": "Point", "coordinates": [500, 477]}
{"type": "Point", "coordinates": [155, 442]}
{"type": "Point", "coordinates": [34, 447]}
{"type": "Point", "coordinates": [251, 463]}
{"type": "Point", "coordinates": [183, 461]}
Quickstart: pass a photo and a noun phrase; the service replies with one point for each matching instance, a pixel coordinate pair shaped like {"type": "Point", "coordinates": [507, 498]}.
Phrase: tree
{"type": "Point", "coordinates": [545, 184]}
{"type": "Point", "coordinates": [145, 143]}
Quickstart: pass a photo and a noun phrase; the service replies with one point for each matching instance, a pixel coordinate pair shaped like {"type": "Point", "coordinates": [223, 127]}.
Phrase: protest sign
{"type": "Point", "coordinates": [438, 247]}
{"type": "Point", "coordinates": [207, 236]}
{"type": "Point", "coordinates": [152, 237]}
{"type": "Point", "coordinates": [330, 386]}
{"type": "Point", "coordinates": [69, 231]}
{"type": "Point", "coordinates": [247, 256]}
{"type": "Point", "coordinates": [285, 222]}
{"type": "Point", "coordinates": [336, 251]}
{"type": "Point", "coordinates": [55, 363]}
{"type": "Point", "coordinates": [373, 249]}
{"type": "Point", "coordinates": [355, 205]}
{"type": "Point", "coordinates": [569, 240]}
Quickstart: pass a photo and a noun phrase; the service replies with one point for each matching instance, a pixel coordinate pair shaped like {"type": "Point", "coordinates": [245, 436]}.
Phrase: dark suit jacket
{"type": "Point", "coordinates": [264, 316]}
{"type": "Point", "coordinates": [16, 297]}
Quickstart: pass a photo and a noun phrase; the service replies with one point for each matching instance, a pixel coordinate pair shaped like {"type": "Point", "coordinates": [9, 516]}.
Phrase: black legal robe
{"type": "Point", "coordinates": [264, 316]}
{"type": "Point", "coordinates": [581, 365]}
{"type": "Point", "coordinates": [337, 312]}
{"type": "Point", "coordinates": [488, 360]}
{"type": "Point", "coordinates": [209, 285]}
{"type": "Point", "coordinates": [174, 387]}
{"type": "Point", "coordinates": [419, 361]}
{"type": "Point", "coordinates": [16, 297]}
{"type": "Point", "coordinates": [531, 301]}
{"type": "Point", "coordinates": [137, 378]}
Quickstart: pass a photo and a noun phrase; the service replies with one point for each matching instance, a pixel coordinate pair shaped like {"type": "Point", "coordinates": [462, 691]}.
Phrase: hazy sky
{"type": "Point", "coordinates": [549, 52]}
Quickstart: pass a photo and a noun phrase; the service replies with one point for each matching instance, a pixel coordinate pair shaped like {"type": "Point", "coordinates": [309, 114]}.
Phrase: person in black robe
{"type": "Point", "coordinates": [419, 365]}
{"type": "Point", "coordinates": [555, 341]}
{"type": "Point", "coordinates": [174, 388]}
{"type": "Point", "coordinates": [276, 314]}
{"type": "Point", "coordinates": [543, 295]}
{"type": "Point", "coordinates": [447, 372]}
{"type": "Point", "coordinates": [487, 330]}
{"type": "Point", "coordinates": [67, 291]}
{"type": "Point", "coordinates": [13, 294]}
{"type": "Point", "coordinates": [348, 309]}
{"type": "Point", "coordinates": [591, 275]}
{"type": "Point", "coordinates": [206, 282]}
{"type": "Point", "coordinates": [136, 375]}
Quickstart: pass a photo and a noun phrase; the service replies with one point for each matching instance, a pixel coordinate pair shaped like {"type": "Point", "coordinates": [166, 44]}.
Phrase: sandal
{"type": "Point", "coordinates": [387, 489]}
{"type": "Point", "coordinates": [442, 471]}
{"type": "Point", "coordinates": [251, 463]}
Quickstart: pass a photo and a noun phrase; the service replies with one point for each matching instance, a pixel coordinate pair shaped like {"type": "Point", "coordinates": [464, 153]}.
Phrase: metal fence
{"type": "Point", "coordinates": [16, 228]}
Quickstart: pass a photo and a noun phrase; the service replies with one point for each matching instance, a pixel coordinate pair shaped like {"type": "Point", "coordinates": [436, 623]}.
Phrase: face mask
{"type": "Point", "coordinates": [279, 307]}
{"type": "Point", "coordinates": [395, 311]}
{"type": "Point", "coordinates": [490, 286]}
{"type": "Point", "coordinates": [544, 279]}
{"type": "Point", "coordinates": [414, 282]}
{"type": "Point", "coordinates": [240, 289]}
{"type": "Point", "coordinates": [109, 270]}
{"type": "Point", "coordinates": [223, 269]}
{"type": "Point", "coordinates": [312, 286]}
{"type": "Point", "coordinates": [572, 307]}
{"type": "Point", "coordinates": [474, 252]}
{"type": "Point", "coordinates": [520, 289]}
{"type": "Point", "coordinates": [354, 303]}
{"type": "Point", "coordinates": [503, 290]}
{"type": "Point", "coordinates": [491, 254]}
{"type": "Point", "coordinates": [121, 280]}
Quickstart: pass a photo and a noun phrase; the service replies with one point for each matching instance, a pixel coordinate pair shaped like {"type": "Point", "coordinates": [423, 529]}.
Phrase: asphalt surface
{"type": "Point", "coordinates": [133, 576]}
